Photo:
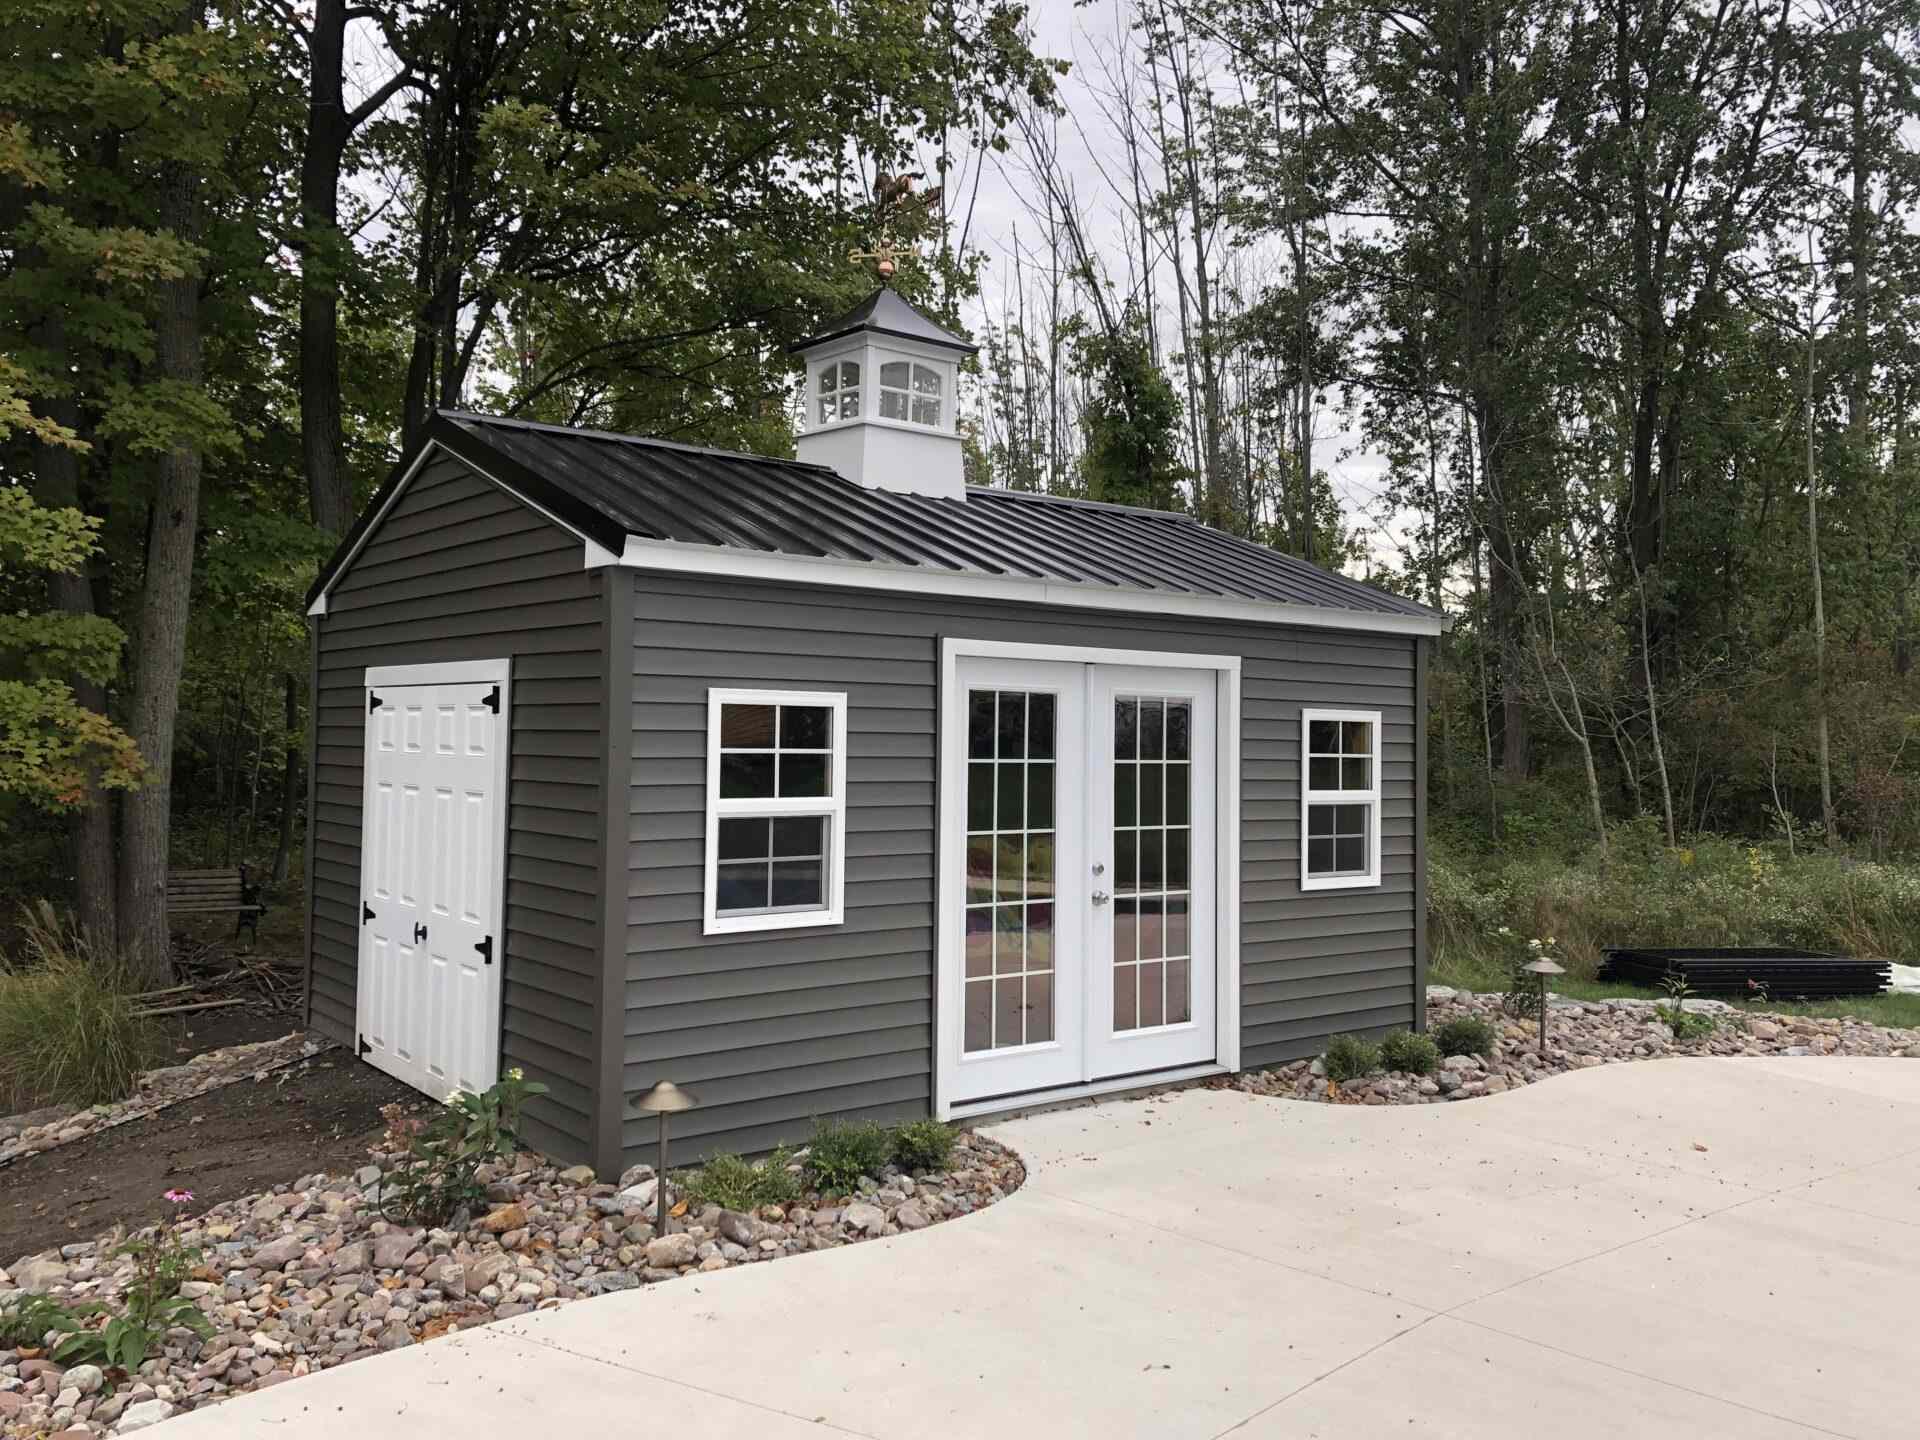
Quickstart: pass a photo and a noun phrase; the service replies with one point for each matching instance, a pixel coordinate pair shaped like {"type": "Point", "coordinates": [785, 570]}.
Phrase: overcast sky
{"type": "Point", "coordinates": [1089, 36]}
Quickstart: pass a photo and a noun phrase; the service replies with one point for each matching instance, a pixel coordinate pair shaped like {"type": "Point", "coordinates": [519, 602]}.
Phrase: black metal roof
{"type": "Point", "coordinates": [609, 487]}
{"type": "Point", "coordinates": [885, 313]}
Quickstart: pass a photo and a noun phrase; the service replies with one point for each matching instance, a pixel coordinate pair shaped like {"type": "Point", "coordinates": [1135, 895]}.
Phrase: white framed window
{"type": "Point", "coordinates": [911, 392]}
{"type": "Point", "coordinates": [1339, 799]}
{"type": "Point", "coordinates": [776, 809]}
{"type": "Point", "coordinates": [839, 391]}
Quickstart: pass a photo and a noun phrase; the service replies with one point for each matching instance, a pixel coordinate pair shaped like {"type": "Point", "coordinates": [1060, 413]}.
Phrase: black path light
{"type": "Point", "coordinates": [663, 1100]}
{"type": "Point", "coordinates": [1546, 970]}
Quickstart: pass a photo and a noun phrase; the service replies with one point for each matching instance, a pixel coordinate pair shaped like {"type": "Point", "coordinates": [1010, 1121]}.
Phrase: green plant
{"type": "Point", "coordinates": [1464, 1035]}
{"type": "Point", "coordinates": [841, 1152]}
{"type": "Point", "coordinates": [1686, 1024]}
{"type": "Point", "coordinates": [1349, 1057]}
{"type": "Point", "coordinates": [27, 1319]}
{"type": "Point", "coordinates": [923, 1145]}
{"type": "Point", "coordinates": [440, 1159]}
{"type": "Point", "coordinates": [736, 1184]}
{"type": "Point", "coordinates": [1413, 1054]}
{"type": "Point", "coordinates": [69, 1023]}
{"type": "Point", "coordinates": [154, 1304]}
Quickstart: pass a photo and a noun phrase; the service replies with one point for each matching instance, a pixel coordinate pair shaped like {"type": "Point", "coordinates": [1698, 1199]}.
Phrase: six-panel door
{"type": "Point", "coordinates": [429, 988]}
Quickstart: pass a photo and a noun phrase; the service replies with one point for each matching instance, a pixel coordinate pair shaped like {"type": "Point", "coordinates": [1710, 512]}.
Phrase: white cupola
{"type": "Point", "coordinates": [882, 399]}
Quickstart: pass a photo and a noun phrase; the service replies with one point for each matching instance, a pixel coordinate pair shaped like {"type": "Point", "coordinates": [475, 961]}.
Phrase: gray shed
{"type": "Point", "coordinates": [834, 786]}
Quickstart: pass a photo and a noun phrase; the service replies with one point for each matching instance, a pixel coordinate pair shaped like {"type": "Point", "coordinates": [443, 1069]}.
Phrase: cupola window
{"type": "Point", "coordinates": [839, 391]}
{"type": "Point", "coordinates": [910, 393]}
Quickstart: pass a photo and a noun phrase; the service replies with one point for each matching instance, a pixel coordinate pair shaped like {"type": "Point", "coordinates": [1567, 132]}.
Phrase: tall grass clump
{"type": "Point", "coordinates": [69, 1031]}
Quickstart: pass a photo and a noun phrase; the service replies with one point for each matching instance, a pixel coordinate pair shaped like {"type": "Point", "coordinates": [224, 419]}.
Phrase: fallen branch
{"type": "Point", "coordinates": [183, 1009]}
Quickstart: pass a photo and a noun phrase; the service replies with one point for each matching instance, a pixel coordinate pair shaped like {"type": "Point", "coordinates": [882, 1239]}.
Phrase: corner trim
{"type": "Point", "coordinates": [676, 557]}
{"type": "Point", "coordinates": [606, 1144]}
{"type": "Point", "coordinates": [1423, 655]}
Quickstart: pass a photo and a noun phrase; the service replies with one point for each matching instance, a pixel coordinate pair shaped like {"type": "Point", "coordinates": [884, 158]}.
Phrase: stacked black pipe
{"type": "Point", "coordinates": [1747, 974]}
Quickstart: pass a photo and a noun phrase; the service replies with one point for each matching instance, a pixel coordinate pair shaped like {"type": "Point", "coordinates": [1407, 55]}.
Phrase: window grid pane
{"type": "Point", "coordinates": [1152, 845]}
{"type": "Point", "coordinates": [1342, 759]}
{"type": "Point", "coordinates": [768, 864]}
{"type": "Point", "coordinates": [1010, 870]}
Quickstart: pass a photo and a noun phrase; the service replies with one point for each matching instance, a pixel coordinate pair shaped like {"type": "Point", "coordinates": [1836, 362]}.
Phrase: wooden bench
{"type": "Point", "coordinates": [217, 892]}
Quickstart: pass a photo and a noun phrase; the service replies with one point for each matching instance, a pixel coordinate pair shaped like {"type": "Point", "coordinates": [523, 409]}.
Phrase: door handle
{"type": "Point", "coordinates": [1100, 897]}
{"type": "Point", "coordinates": [419, 933]}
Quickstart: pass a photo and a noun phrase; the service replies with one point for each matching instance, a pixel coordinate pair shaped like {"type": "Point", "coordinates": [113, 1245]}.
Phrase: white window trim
{"type": "Point", "coordinates": [833, 806]}
{"type": "Point", "coordinates": [1369, 797]}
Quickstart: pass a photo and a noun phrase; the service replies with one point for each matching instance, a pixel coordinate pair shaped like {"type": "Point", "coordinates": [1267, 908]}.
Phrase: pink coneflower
{"type": "Point", "coordinates": [179, 1197]}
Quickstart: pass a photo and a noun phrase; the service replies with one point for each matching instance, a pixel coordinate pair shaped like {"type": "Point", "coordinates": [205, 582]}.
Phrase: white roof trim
{"type": "Point", "coordinates": [595, 554]}
{"type": "Point", "coordinates": [677, 557]}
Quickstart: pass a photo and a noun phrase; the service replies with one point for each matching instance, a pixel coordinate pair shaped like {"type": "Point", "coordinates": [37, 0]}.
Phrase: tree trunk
{"type": "Point", "coordinates": [329, 489]}
{"type": "Point", "coordinates": [161, 641]}
{"type": "Point", "coordinates": [90, 829]}
{"type": "Point", "coordinates": [1823, 747]}
{"type": "Point", "coordinates": [289, 783]}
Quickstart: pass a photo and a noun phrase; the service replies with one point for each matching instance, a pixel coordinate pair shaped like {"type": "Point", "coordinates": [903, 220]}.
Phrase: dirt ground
{"type": "Point", "coordinates": [318, 1116]}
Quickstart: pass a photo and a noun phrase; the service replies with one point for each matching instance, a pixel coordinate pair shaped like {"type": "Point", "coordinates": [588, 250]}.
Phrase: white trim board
{"type": "Point", "coordinates": [676, 557]}
{"type": "Point", "coordinates": [950, 737]}
{"type": "Point", "coordinates": [443, 672]}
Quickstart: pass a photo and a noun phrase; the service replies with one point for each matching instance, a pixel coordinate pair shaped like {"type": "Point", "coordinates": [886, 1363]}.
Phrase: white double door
{"type": "Point", "coordinates": [431, 867]}
{"type": "Point", "coordinates": [1085, 840]}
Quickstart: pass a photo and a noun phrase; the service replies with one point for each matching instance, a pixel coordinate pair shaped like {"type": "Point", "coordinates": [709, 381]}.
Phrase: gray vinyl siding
{"type": "Point", "coordinates": [457, 570]}
{"type": "Point", "coordinates": [776, 1028]}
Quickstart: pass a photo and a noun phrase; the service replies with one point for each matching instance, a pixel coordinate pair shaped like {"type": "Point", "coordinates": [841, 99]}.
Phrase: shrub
{"type": "Point", "coordinates": [27, 1319]}
{"type": "Point", "coordinates": [154, 1304]}
{"type": "Point", "coordinates": [923, 1145]}
{"type": "Point", "coordinates": [736, 1184]}
{"type": "Point", "coordinates": [1464, 1035]}
{"type": "Point", "coordinates": [843, 1151]}
{"type": "Point", "coordinates": [1413, 1054]}
{"type": "Point", "coordinates": [1349, 1057]}
{"type": "Point", "coordinates": [69, 1030]}
{"type": "Point", "coordinates": [440, 1159]}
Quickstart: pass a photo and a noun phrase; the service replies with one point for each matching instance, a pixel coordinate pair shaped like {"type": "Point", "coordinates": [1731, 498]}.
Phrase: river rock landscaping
{"type": "Point", "coordinates": [1581, 1034]}
{"type": "Point", "coordinates": [296, 1280]}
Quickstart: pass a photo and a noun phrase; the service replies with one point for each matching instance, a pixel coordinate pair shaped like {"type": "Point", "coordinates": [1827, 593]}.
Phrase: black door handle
{"type": "Point", "coordinates": [419, 933]}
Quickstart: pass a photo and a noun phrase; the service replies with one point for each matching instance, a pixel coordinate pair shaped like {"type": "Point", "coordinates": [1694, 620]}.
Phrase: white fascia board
{"type": "Point", "coordinates": [679, 558]}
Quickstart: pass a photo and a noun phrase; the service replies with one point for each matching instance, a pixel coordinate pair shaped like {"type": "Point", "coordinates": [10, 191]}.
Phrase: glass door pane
{"type": "Point", "coordinates": [1152, 849]}
{"type": "Point", "coordinates": [1012, 739]}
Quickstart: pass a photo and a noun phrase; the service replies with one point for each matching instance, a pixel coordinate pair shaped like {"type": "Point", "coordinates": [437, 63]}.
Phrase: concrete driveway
{"type": "Point", "coordinates": [1682, 1248]}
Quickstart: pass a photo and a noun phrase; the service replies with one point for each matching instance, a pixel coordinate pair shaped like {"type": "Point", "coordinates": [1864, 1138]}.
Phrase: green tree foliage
{"type": "Point", "coordinates": [1131, 419]}
{"type": "Point", "coordinates": [53, 750]}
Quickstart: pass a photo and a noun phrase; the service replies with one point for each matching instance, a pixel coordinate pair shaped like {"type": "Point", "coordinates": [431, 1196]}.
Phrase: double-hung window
{"type": "Point", "coordinates": [1339, 799]}
{"type": "Point", "coordinates": [776, 809]}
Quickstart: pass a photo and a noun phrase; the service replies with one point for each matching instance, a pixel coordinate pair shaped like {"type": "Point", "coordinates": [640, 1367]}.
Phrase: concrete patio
{"type": "Point", "coordinates": [1679, 1248]}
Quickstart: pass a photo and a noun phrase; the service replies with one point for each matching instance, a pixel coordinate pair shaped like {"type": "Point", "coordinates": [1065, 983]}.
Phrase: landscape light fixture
{"type": "Point", "coordinates": [1545, 969]}
{"type": "Point", "coordinates": [663, 1100]}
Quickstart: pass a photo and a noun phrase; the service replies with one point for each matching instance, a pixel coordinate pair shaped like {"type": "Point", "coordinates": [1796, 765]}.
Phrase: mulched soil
{"type": "Point", "coordinates": [204, 1030]}
{"type": "Point", "coordinates": [320, 1115]}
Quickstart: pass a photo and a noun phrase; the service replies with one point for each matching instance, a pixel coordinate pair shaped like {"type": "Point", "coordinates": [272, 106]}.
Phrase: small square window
{"type": "Point", "coordinates": [775, 808]}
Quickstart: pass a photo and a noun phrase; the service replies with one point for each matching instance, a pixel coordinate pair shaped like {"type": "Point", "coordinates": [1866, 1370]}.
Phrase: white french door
{"type": "Point", "coordinates": [1151, 947]}
{"type": "Point", "coordinates": [431, 873]}
{"type": "Point", "coordinates": [1079, 845]}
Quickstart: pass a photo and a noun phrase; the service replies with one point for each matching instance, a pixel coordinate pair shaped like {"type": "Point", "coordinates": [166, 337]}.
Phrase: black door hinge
{"type": "Point", "coordinates": [366, 912]}
{"type": "Point", "coordinates": [485, 947]}
{"type": "Point", "coordinates": [373, 702]}
{"type": "Point", "coordinates": [492, 700]}
{"type": "Point", "coordinates": [419, 933]}
{"type": "Point", "coordinates": [364, 1048]}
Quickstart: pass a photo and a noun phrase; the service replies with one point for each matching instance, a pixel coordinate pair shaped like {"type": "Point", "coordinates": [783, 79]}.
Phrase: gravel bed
{"type": "Point", "coordinates": [56, 1125]}
{"type": "Point", "coordinates": [1581, 1034]}
{"type": "Point", "coordinates": [300, 1279]}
